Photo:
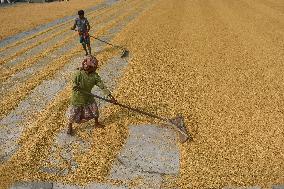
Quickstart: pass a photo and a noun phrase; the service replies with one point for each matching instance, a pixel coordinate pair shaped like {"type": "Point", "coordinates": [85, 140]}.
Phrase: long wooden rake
{"type": "Point", "coordinates": [177, 122]}
{"type": "Point", "coordinates": [124, 53]}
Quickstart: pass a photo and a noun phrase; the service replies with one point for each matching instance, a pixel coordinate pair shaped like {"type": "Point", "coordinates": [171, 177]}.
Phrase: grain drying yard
{"type": "Point", "coordinates": [219, 63]}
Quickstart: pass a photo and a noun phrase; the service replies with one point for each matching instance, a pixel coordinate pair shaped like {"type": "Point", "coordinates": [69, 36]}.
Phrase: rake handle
{"type": "Point", "coordinates": [127, 107]}
{"type": "Point", "coordinates": [101, 40]}
{"type": "Point", "coordinates": [142, 112]}
{"type": "Point", "coordinates": [104, 41]}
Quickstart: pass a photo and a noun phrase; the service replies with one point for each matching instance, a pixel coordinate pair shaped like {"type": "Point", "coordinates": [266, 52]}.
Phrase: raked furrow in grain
{"type": "Point", "coordinates": [23, 50]}
{"type": "Point", "coordinates": [19, 77]}
{"type": "Point", "coordinates": [33, 37]}
{"type": "Point", "coordinates": [39, 92]}
{"type": "Point", "coordinates": [40, 39]}
{"type": "Point", "coordinates": [6, 55]}
{"type": "Point", "coordinates": [11, 99]}
{"type": "Point", "coordinates": [42, 59]}
{"type": "Point", "coordinates": [33, 150]}
{"type": "Point", "coordinates": [101, 19]}
{"type": "Point", "coordinates": [35, 63]}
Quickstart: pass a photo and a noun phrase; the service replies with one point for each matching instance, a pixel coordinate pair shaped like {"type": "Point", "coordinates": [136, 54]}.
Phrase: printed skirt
{"type": "Point", "coordinates": [79, 114]}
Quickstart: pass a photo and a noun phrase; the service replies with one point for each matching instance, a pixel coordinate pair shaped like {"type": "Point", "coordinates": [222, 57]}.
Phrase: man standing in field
{"type": "Point", "coordinates": [83, 28]}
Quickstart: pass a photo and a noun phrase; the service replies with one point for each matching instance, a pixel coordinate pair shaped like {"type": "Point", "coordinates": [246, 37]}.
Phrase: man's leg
{"type": "Point", "coordinates": [70, 129]}
{"type": "Point", "coordinates": [82, 41]}
{"type": "Point", "coordinates": [84, 47]}
{"type": "Point", "coordinates": [89, 49]}
{"type": "Point", "coordinates": [87, 40]}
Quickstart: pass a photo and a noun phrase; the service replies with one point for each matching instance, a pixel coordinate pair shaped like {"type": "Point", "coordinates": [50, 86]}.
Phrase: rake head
{"type": "Point", "coordinates": [178, 123]}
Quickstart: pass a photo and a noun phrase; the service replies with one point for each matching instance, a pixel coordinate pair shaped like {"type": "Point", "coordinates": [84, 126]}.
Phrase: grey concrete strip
{"type": "Point", "coordinates": [104, 186]}
{"type": "Point", "coordinates": [37, 50]}
{"type": "Point", "coordinates": [249, 187]}
{"type": "Point", "coordinates": [66, 186]}
{"type": "Point", "coordinates": [151, 149]}
{"type": "Point", "coordinates": [280, 186]}
{"type": "Point", "coordinates": [150, 152]}
{"type": "Point", "coordinates": [146, 180]}
{"type": "Point", "coordinates": [31, 52]}
{"type": "Point", "coordinates": [110, 73]}
{"type": "Point", "coordinates": [32, 185]}
{"type": "Point", "coordinates": [90, 186]}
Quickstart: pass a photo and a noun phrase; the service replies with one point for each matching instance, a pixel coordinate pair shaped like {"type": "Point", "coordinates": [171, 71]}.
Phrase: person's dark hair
{"type": "Point", "coordinates": [80, 12]}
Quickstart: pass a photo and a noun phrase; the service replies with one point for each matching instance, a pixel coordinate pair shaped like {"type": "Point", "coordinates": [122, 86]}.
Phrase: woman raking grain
{"type": "Point", "coordinates": [83, 106]}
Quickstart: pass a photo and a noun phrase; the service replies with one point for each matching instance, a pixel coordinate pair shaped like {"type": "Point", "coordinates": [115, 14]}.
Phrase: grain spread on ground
{"type": "Point", "coordinates": [218, 62]}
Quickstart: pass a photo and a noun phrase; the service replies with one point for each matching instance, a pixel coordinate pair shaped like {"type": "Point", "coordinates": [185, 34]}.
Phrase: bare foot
{"type": "Point", "coordinates": [70, 131]}
{"type": "Point", "coordinates": [99, 125]}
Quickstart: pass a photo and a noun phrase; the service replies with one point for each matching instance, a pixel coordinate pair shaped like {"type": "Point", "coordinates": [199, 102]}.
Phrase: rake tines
{"type": "Point", "coordinates": [179, 124]}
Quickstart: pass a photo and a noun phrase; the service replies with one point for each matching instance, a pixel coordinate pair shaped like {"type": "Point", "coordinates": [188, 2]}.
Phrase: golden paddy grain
{"type": "Point", "coordinates": [215, 62]}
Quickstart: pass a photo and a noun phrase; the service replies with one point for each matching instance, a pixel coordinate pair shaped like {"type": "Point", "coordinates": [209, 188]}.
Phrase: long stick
{"type": "Point", "coordinates": [127, 107]}
{"type": "Point", "coordinates": [176, 126]}
{"type": "Point", "coordinates": [105, 41]}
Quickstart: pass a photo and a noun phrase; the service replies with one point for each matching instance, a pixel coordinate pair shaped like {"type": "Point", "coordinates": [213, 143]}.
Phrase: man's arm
{"type": "Point", "coordinates": [74, 25]}
{"type": "Point", "coordinates": [88, 25]}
